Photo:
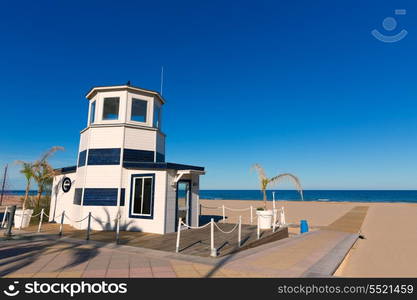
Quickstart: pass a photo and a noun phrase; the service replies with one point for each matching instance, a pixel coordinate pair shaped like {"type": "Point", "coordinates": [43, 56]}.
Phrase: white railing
{"type": "Point", "coordinates": [180, 224]}
{"type": "Point", "coordinates": [251, 209]}
{"type": "Point", "coordinates": [213, 225]}
{"type": "Point", "coordinates": [224, 208]}
{"type": "Point", "coordinates": [62, 216]}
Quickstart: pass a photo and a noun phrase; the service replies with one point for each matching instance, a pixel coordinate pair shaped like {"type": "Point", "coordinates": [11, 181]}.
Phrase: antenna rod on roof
{"type": "Point", "coordinates": [162, 78]}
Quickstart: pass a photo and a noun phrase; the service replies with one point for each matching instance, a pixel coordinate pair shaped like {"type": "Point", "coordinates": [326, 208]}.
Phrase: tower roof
{"type": "Point", "coordinates": [110, 88]}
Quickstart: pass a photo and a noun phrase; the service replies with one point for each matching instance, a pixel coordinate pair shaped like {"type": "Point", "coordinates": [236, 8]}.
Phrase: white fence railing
{"type": "Point", "coordinates": [62, 216]}
{"type": "Point", "coordinates": [251, 210]}
{"type": "Point", "coordinates": [278, 221]}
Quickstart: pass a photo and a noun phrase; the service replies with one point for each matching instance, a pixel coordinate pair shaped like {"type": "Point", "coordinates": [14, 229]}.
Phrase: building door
{"type": "Point", "coordinates": [183, 205]}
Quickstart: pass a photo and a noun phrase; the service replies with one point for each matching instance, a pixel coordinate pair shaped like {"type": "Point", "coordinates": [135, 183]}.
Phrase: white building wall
{"type": "Point", "coordinates": [84, 137]}
{"type": "Point", "coordinates": [160, 143]}
{"type": "Point", "coordinates": [140, 139]}
{"type": "Point", "coordinates": [157, 223]}
{"type": "Point", "coordinates": [195, 200]}
{"type": "Point", "coordinates": [103, 218]}
{"type": "Point", "coordinates": [103, 176]}
{"type": "Point", "coordinates": [170, 202]}
{"type": "Point", "coordinates": [61, 201]}
{"type": "Point", "coordinates": [106, 137]}
{"type": "Point", "coordinates": [79, 177]}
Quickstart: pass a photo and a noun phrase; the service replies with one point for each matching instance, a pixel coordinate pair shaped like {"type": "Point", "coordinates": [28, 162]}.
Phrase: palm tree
{"type": "Point", "coordinates": [265, 181]}
{"type": "Point", "coordinates": [43, 173]}
{"type": "Point", "coordinates": [27, 171]}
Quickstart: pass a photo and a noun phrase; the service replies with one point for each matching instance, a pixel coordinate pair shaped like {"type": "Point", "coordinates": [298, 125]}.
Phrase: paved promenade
{"type": "Point", "coordinates": [317, 253]}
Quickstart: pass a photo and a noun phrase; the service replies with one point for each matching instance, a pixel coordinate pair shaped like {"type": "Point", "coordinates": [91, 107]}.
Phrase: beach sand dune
{"type": "Point", "coordinates": [390, 230]}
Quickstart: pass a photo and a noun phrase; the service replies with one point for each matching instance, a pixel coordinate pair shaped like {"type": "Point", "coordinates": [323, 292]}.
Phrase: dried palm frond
{"type": "Point", "coordinates": [50, 152]}
{"type": "Point", "coordinates": [293, 178]}
{"type": "Point", "coordinates": [265, 181]}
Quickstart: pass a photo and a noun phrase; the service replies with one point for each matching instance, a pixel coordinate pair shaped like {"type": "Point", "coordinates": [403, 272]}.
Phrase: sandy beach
{"type": "Point", "coordinates": [390, 231]}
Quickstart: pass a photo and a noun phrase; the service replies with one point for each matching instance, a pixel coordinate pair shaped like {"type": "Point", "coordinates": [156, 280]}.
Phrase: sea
{"type": "Point", "coordinates": [315, 195]}
{"type": "Point", "coordinates": [309, 195]}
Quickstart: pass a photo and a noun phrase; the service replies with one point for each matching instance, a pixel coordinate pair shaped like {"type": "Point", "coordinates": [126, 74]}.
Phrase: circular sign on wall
{"type": "Point", "coordinates": [66, 184]}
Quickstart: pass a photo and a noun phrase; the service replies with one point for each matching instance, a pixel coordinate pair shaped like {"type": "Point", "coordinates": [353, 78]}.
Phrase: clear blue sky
{"type": "Point", "coordinates": [297, 86]}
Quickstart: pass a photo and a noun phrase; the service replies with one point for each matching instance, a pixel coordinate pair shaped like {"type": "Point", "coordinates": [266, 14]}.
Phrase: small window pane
{"type": "Point", "coordinates": [93, 112]}
{"type": "Point", "coordinates": [137, 203]}
{"type": "Point", "coordinates": [147, 196]}
{"type": "Point", "coordinates": [139, 108]}
{"type": "Point", "coordinates": [111, 108]}
{"type": "Point", "coordinates": [157, 117]}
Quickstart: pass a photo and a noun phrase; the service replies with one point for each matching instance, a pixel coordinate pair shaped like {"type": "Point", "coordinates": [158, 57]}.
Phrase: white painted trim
{"type": "Point", "coordinates": [129, 88]}
{"type": "Point", "coordinates": [143, 188]}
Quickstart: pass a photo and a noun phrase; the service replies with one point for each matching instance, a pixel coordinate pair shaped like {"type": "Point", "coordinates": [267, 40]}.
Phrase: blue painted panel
{"type": "Point", "coordinates": [100, 197]}
{"type": "Point", "coordinates": [104, 156]}
{"type": "Point", "coordinates": [122, 197]}
{"type": "Point", "coordinates": [77, 196]}
{"type": "Point", "coordinates": [160, 157]}
{"type": "Point", "coordinates": [132, 155]}
{"type": "Point", "coordinates": [82, 158]}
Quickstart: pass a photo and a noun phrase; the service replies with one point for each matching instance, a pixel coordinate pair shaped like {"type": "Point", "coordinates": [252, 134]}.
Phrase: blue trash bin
{"type": "Point", "coordinates": [303, 226]}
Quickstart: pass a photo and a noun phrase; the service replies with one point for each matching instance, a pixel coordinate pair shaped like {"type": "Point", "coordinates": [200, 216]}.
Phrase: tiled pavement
{"type": "Point", "coordinates": [52, 257]}
{"type": "Point", "coordinates": [316, 253]}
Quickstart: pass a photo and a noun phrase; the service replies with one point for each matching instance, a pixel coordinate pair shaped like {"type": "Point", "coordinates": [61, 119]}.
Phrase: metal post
{"type": "Point", "coordinates": [21, 220]}
{"type": "Point", "coordinates": [239, 236]}
{"type": "Point", "coordinates": [274, 220]}
{"type": "Point", "coordinates": [224, 215]}
{"type": "Point", "coordinates": [258, 230]}
{"type": "Point", "coordinates": [10, 219]}
{"type": "Point", "coordinates": [4, 217]}
{"type": "Point", "coordinates": [62, 222]}
{"type": "Point", "coordinates": [177, 247]}
{"type": "Point", "coordinates": [273, 200]}
{"type": "Point", "coordinates": [40, 221]}
{"type": "Point", "coordinates": [118, 227]}
{"type": "Point", "coordinates": [251, 214]}
{"type": "Point", "coordinates": [213, 251]}
{"type": "Point", "coordinates": [88, 226]}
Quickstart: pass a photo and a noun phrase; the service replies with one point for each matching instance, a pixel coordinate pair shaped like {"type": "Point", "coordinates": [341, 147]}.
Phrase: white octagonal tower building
{"type": "Point", "coordinates": [121, 168]}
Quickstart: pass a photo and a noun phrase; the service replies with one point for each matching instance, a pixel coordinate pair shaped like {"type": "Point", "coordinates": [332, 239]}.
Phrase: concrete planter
{"type": "Point", "coordinates": [26, 218]}
{"type": "Point", "coordinates": [265, 218]}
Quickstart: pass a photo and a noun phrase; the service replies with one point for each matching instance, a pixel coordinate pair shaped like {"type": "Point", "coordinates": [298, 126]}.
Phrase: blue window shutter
{"type": "Point", "coordinates": [82, 158]}
{"type": "Point", "coordinates": [122, 197]}
{"type": "Point", "coordinates": [77, 196]}
{"type": "Point", "coordinates": [100, 197]}
{"type": "Point", "coordinates": [132, 155]}
{"type": "Point", "coordinates": [160, 157]}
{"type": "Point", "coordinates": [109, 156]}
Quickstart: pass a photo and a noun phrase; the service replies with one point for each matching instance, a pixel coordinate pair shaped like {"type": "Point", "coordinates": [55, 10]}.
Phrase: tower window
{"type": "Point", "coordinates": [111, 108]}
{"type": "Point", "coordinates": [139, 108]}
{"type": "Point", "coordinates": [157, 117]}
{"type": "Point", "coordinates": [93, 112]}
